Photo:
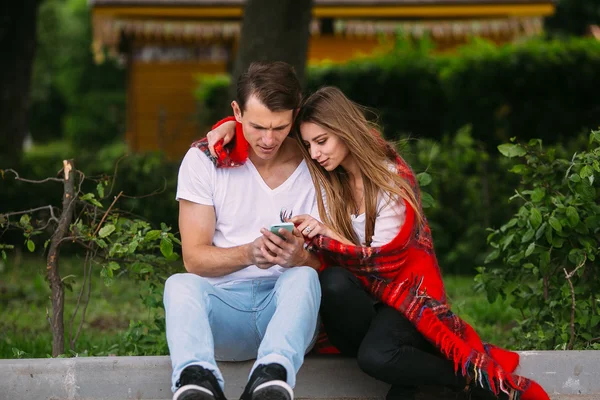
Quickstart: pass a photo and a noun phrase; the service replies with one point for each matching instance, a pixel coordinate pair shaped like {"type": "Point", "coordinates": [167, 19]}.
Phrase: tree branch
{"type": "Point", "coordinates": [569, 275]}
{"type": "Point", "coordinates": [18, 177]}
{"type": "Point", "coordinates": [48, 207]}
{"type": "Point", "coordinates": [107, 211]}
{"type": "Point", "coordinates": [157, 191]}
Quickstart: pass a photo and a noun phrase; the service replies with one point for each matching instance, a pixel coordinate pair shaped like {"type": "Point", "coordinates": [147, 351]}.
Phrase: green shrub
{"type": "Point", "coordinates": [469, 189]}
{"type": "Point", "coordinates": [550, 245]}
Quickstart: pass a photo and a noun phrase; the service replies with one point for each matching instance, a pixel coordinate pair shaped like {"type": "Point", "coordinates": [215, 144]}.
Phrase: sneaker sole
{"type": "Point", "coordinates": [194, 392]}
{"type": "Point", "coordinates": [273, 390]}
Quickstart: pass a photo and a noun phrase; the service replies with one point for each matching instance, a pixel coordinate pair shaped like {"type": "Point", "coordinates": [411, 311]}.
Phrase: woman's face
{"type": "Point", "coordinates": [325, 148]}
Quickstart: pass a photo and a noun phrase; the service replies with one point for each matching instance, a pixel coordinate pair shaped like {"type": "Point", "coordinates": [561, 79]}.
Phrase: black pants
{"type": "Point", "coordinates": [386, 344]}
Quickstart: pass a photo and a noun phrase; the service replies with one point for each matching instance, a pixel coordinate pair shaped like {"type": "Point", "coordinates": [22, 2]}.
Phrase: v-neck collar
{"type": "Point", "coordinates": [283, 185]}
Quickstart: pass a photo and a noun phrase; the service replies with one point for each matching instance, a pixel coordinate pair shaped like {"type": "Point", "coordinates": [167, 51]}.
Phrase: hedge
{"type": "Point", "coordinates": [542, 89]}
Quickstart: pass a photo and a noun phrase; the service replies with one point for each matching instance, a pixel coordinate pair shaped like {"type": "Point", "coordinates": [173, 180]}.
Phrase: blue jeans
{"type": "Point", "coordinates": [272, 320]}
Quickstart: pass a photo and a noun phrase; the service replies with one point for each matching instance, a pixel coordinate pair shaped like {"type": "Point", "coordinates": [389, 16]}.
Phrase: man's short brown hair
{"type": "Point", "coordinates": [275, 84]}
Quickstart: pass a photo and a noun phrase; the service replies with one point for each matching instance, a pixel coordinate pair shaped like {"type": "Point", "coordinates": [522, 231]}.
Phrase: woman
{"type": "Point", "coordinates": [383, 297]}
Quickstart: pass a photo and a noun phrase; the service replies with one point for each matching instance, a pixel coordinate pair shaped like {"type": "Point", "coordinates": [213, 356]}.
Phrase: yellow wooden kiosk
{"type": "Point", "coordinates": [167, 43]}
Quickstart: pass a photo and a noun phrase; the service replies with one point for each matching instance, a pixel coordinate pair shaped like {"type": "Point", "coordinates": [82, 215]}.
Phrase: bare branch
{"type": "Point", "coordinates": [87, 301]}
{"type": "Point", "coordinates": [569, 275]}
{"type": "Point", "coordinates": [18, 178]}
{"type": "Point", "coordinates": [107, 211]}
{"type": "Point", "coordinates": [114, 179]}
{"type": "Point", "coordinates": [572, 323]}
{"type": "Point", "coordinates": [48, 207]}
{"type": "Point", "coordinates": [71, 341]}
{"type": "Point", "coordinates": [157, 191]}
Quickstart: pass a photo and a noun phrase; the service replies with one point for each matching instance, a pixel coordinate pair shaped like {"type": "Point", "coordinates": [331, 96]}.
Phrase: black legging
{"type": "Point", "coordinates": [386, 344]}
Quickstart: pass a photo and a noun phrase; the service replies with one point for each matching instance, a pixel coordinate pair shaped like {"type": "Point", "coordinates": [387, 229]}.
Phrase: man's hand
{"type": "Point", "coordinates": [225, 132]}
{"type": "Point", "coordinates": [256, 254]}
{"type": "Point", "coordinates": [287, 251]}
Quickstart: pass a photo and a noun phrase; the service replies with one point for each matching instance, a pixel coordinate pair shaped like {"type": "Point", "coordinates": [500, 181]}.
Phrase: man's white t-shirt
{"type": "Point", "coordinates": [243, 203]}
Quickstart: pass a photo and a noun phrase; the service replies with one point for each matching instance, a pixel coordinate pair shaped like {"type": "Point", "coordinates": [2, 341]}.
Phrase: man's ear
{"type": "Point", "coordinates": [237, 111]}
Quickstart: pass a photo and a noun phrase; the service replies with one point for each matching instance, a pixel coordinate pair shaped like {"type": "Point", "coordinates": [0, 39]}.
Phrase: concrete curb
{"type": "Point", "coordinates": [564, 374]}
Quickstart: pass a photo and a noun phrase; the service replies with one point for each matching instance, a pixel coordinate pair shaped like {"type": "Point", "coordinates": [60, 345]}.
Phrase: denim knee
{"type": "Point", "coordinates": [300, 280]}
{"type": "Point", "coordinates": [180, 285]}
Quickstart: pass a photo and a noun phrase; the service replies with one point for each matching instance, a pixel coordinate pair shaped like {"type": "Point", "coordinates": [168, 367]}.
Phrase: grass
{"type": "Point", "coordinates": [25, 332]}
{"type": "Point", "coordinates": [25, 302]}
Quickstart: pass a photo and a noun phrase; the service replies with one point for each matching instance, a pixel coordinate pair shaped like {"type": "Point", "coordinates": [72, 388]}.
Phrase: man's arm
{"type": "Point", "coordinates": [197, 228]}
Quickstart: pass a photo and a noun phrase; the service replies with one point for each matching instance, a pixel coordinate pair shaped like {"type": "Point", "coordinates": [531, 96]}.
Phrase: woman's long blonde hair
{"type": "Point", "coordinates": [333, 111]}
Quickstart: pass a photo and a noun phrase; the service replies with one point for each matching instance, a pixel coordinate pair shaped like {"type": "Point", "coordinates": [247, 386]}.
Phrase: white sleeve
{"type": "Point", "coordinates": [195, 181]}
{"type": "Point", "coordinates": [390, 219]}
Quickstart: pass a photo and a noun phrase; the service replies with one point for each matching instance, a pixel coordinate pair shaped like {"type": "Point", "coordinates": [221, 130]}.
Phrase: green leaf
{"type": "Point", "coordinates": [530, 249]}
{"type": "Point", "coordinates": [573, 216]}
{"type": "Point", "coordinates": [100, 190]}
{"type": "Point", "coordinates": [152, 235]}
{"type": "Point", "coordinates": [535, 217]}
{"type": "Point", "coordinates": [540, 231]}
{"type": "Point", "coordinates": [506, 241]}
{"type": "Point", "coordinates": [166, 247]}
{"type": "Point", "coordinates": [511, 150]}
{"type": "Point", "coordinates": [113, 266]}
{"type": "Point", "coordinates": [538, 195]}
{"type": "Point", "coordinates": [518, 169]}
{"type": "Point", "coordinates": [509, 224]}
{"type": "Point", "coordinates": [30, 246]}
{"type": "Point", "coordinates": [424, 179]}
{"type": "Point", "coordinates": [492, 256]}
{"type": "Point", "coordinates": [515, 258]}
{"type": "Point", "coordinates": [549, 234]}
{"type": "Point", "coordinates": [106, 230]}
{"type": "Point", "coordinates": [427, 200]}
{"type": "Point", "coordinates": [132, 247]}
{"type": "Point", "coordinates": [528, 235]}
{"type": "Point", "coordinates": [3, 255]}
{"type": "Point", "coordinates": [24, 221]}
{"type": "Point", "coordinates": [574, 178]}
{"type": "Point", "coordinates": [587, 172]}
{"type": "Point", "coordinates": [558, 242]}
{"type": "Point", "coordinates": [555, 224]}
{"type": "Point", "coordinates": [91, 198]}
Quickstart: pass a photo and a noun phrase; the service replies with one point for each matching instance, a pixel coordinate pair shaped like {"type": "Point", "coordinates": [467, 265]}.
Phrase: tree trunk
{"type": "Point", "coordinates": [18, 38]}
{"type": "Point", "coordinates": [56, 285]}
{"type": "Point", "coordinates": [274, 30]}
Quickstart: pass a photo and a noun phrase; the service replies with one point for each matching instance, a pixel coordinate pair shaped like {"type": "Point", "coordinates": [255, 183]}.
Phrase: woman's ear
{"type": "Point", "coordinates": [237, 111]}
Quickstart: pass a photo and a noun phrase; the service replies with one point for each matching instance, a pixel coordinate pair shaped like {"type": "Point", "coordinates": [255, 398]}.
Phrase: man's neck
{"type": "Point", "coordinates": [283, 154]}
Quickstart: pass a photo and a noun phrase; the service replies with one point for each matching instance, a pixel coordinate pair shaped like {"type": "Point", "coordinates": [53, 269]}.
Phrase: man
{"type": "Point", "coordinates": [248, 293]}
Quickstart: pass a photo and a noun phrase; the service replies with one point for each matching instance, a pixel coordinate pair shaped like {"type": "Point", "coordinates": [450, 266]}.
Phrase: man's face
{"type": "Point", "coordinates": [265, 130]}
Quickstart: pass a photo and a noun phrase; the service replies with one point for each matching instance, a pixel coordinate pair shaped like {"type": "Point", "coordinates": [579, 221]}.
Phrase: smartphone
{"type": "Point", "coordinates": [288, 226]}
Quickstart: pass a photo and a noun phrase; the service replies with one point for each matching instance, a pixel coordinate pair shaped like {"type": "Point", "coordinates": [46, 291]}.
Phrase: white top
{"type": "Point", "coordinates": [243, 203]}
{"type": "Point", "coordinates": [390, 218]}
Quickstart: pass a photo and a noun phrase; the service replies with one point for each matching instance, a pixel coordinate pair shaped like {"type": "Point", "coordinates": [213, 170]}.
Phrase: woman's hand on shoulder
{"type": "Point", "coordinates": [309, 226]}
{"type": "Point", "coordinates": [224, 132]}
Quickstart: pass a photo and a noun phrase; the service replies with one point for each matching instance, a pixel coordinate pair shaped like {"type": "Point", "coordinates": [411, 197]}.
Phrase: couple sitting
{"type": "Point", "coordinates": [360, 253]}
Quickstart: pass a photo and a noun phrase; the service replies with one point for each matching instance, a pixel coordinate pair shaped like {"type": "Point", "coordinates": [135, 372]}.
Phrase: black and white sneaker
{"type": "Point", "coordinates": [268, 382]}
{"type": "Point", "coordinates": [198, 383]}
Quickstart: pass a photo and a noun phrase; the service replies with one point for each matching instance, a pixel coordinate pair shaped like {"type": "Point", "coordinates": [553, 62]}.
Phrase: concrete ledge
{"type": "Point", "coordinates": [564, 374]}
